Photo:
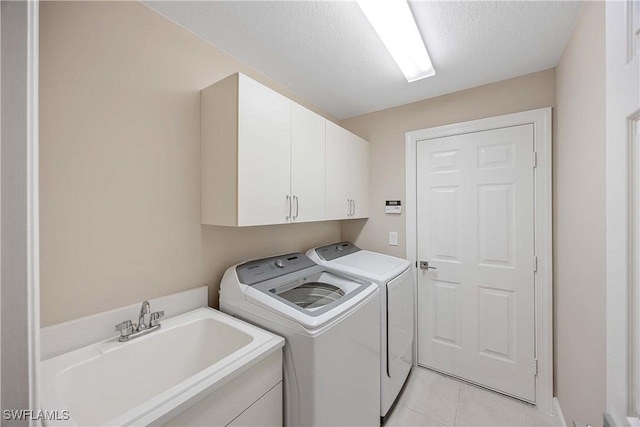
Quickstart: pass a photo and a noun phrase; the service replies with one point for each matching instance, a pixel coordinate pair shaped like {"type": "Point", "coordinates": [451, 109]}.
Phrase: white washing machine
{"type": "Point", "coordinates": [332, 335]}
{"type": "Point", "coordinates": [393, 276]}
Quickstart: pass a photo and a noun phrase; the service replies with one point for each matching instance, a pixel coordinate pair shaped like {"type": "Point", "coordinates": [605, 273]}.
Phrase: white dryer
{"type": "Point", "coordinates": [393, 276]}
{"type": "Point", "coordinates": [332, 348]}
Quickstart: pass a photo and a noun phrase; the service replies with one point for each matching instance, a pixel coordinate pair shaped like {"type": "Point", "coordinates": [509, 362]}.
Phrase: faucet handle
{"type": "Point", "coordinates": [154, 318]}
{"type": "Point", "coordinates": [125, 328]}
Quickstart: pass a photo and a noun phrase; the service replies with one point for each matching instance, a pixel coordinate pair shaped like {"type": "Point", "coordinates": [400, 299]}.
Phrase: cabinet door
{"type": "Point", "coordinates": [307, 164]}
{"type": "Point", "coordinates": [359, 177]}
{"type": "Point", "coordinates": [338, 151]}
{"type": "Point", "coordinates": [265, 412]}
{"type": "Point", "coordinates": [264, 154]}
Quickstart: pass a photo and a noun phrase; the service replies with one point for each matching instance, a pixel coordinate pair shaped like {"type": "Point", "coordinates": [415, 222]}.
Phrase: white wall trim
{"type": "Point", "coordinates": [0, 201]}
{"type": "Point", "coordinates": [622, 232]}
{"type": "Point", "coordinates": [557, 413]}
{"type": "Point", "coordinates": [633, 276]}
{"type": "Point", "coordinates": [33, 206]}
{"type": "Point", "coordinates": [541, 120]}
{"type": "Point", "coordinates": [20, 225]}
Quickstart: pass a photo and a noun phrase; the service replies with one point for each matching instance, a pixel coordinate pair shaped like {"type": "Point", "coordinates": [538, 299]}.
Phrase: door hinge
{"type": "Point", "coordinates": [535, 263]}
{"type": "Point", "coordinates": [535, 159]}
{"type": "Point", "coordinates": [535, 367]}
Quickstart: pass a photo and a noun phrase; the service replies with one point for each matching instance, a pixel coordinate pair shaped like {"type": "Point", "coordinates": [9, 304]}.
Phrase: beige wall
{"type": "Point", "coordinates": [120, 169]}
{"type": "Point", "coordinates": [579, 213]}
{"type": "Point", "coordinates": [386, 132]}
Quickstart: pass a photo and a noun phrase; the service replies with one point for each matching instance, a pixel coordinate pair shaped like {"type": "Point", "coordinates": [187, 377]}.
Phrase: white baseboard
{"type": "Point", "coordinates": [557, 413]}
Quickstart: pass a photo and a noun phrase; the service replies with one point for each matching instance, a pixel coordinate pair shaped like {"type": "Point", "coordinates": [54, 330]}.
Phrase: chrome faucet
{"type": "Point", "coordinates": [145, 309]}
{"type": "Point", "coordinates": [129, 330]}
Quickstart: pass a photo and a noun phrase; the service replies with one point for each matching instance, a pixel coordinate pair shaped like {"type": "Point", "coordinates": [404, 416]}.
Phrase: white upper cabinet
{"type": "Point", "coordinates": [347, 174]}
{"type": "Point", "coordinates": [359, 173]}
{"type": "Point", "coordinates": [267, 160]}
{"type": "Point", "coordinates": [264, 159]}
{"type": "Point", "coordinates": [307, 165]}
{"type": "Point", "coordinates": [338, 172]}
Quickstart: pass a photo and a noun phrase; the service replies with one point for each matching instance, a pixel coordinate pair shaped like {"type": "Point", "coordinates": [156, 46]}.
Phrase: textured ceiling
{"type": "Point", "coordinates": [327, 52]}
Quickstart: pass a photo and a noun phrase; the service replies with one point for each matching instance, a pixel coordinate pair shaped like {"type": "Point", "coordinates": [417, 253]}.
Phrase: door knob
{"type": "Point", "coordinates": [424, 265]}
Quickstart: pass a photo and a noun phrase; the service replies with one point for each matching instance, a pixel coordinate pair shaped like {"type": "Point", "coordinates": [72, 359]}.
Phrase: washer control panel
{"type": "Point", "coordinates": [259, 270]}
{"type": "Point", "coordinates": [336, 250]}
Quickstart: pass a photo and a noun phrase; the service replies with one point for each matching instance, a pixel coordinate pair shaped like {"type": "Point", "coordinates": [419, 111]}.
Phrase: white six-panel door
{"type": "Point", "coordinates": [475, 220]}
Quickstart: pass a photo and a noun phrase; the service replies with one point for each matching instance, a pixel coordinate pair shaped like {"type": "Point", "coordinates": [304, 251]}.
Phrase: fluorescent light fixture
{"type": "Point", "coordinates": [395, 25]}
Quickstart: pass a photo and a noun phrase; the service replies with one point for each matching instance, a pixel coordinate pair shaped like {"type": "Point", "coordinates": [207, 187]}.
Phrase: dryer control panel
{"type": "Point", "coordinates": [336, 250]}
{"type": "Point", "coordinates": [259, 270]}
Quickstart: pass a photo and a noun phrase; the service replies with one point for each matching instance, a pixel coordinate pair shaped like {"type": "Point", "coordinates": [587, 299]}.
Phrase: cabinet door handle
{"type": "Point", "coordinates": [297, 206]}
{"type": "Point", "coordinates": [354, 208]}
{"type": "Point", "coordinates": [289, 202]}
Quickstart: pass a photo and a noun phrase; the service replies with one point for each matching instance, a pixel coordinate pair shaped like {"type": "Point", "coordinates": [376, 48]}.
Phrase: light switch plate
{"type": "Point", "coordinates": [393, 238]}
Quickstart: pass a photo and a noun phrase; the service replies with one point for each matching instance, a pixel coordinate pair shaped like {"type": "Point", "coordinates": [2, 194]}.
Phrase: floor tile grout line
{"type": "Point", "coordinates": [455, 418]}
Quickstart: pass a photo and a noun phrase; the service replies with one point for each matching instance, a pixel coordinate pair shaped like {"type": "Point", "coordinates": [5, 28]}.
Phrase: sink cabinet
{"type": "Point", "coordinates": [254, 398]}
{"type": "Point", "coordinates": [266, 159]}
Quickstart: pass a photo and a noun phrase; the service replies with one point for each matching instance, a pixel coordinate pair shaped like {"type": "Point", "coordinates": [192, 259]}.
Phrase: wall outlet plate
{"type": "Point", "coordinates": [393, 238]}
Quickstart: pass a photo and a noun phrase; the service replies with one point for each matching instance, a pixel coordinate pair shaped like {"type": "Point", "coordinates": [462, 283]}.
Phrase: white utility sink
{"type": "Point", "coordinates": [155, 377]}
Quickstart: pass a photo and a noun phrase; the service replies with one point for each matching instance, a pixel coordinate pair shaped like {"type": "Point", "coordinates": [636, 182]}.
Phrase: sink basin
{"type": "Point", "coordinates": [141, 381]}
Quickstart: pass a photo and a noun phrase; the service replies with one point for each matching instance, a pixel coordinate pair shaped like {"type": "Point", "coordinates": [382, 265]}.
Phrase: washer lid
{"type": "Point", "coordinates": [311, 297]}
{"type": "Point", "coordinates": [372, 266]}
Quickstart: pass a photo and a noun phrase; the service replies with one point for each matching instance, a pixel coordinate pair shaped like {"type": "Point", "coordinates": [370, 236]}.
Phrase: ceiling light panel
{"type": "Point", "coordinates": [394, 23]}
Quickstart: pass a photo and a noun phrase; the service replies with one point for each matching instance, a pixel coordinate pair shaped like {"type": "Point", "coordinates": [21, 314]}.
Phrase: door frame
{"type": "Point", "coordinates": [543, 278]}
{"type": "Point", "coordinates": [623, 227]}
{"type": "Point", "coordinates": [19, 139]}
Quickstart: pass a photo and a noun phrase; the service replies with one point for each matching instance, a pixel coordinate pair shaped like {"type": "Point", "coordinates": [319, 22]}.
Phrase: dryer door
{"type": "Point", "coordinates": [399, 324]}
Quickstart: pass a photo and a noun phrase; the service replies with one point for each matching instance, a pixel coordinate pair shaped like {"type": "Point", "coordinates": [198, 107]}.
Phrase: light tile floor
{"type": "Point", "coordinates": [431, 399]}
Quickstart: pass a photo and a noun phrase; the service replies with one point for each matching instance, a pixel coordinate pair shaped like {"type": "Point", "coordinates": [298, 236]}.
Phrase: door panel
{"type": "Point", "coordinates": [338, 171]}
{"type": "Point", "coordinates": [359, 176]}
{"type": "Point", "coordinates": [264, 154]}
{"type": "Point", "coordinates": [445, 223]}
{"type": "Point", "coordinates": [496, 225]}
{"type": "Point", "coordinates": [497, 331]}
{"type": "Point", "coordinates": [307, 164]}
{"type": "Point", "coordinates": [476, 226]}
{"type": "Point", "coordinates": [445, 310]}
